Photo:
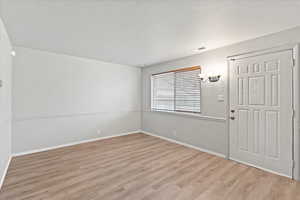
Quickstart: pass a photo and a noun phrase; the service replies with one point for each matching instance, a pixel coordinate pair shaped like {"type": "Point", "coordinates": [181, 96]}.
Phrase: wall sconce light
{"type": "Point", "coordinates": [214, 78]}
{"type": "Point", "coordinates": [202, 77]}
{"type": "Point", "coordinates": [210, 78]}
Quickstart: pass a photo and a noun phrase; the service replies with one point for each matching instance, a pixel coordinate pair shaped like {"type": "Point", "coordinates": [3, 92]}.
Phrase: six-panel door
{"type": "Point", "coordinates": [261, 107]}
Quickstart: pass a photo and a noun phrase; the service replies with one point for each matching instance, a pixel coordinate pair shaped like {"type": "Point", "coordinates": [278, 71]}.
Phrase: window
{"type": "Point", "coordinates": [177, 90]}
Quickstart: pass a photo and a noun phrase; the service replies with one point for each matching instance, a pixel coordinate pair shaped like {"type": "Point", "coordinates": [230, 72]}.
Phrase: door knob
{"type": "Point", "coordinates": [232, 118]}
{"type": "Point", "coordinates": [232, 111]}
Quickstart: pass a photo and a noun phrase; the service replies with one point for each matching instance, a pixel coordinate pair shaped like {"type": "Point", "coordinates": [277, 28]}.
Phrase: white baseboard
{"type": "Point", "coordinates": [264, 169]}
{"type": "Point", "coordinates": [72, 143]}
{"type": "Point", "coordinates": [5, 172]}
{"type": "Point", "coordinates": [211, 152]}
{"type": "Point", "coordinates": [185, 144]}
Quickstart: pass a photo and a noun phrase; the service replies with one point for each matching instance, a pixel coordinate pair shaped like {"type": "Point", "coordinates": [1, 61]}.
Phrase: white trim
{"type": "Point", "coordinates": [72, 143]}
{"type": "Point", "coordinates": [200, 116]}
{"type": "Point", "coordinates": [296, 100]}
{"type": "Point", "coordinates": [5, 172]}
{"type": "Point", "coordinates": [185, 144]}
{"type": "Point", "coordinates": [261, 168]}
{"type": "Point", "coordinates": [262, 52]}
{"type": "Point", "coordinates": [20, 119]}
{"type": "Point", "coordinates": [228, 111]}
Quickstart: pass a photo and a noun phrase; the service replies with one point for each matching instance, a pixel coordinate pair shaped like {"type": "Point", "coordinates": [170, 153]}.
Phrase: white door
{"type": "Point", "coordinates": [261, 111]}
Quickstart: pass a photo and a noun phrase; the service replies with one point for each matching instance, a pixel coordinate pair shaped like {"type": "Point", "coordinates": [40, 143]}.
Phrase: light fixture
{"type": "Point", "coordinates": [214, 78]}
{"type": "Point", "coordinates": [202, 77]}
{"type": "Point", "coordinates": [210, 78]}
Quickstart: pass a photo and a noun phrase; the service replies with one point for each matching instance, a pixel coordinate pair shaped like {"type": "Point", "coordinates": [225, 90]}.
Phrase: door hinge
{"type": "Point", "coordinates": [294, 113]}
{"type": "Point", "coordinates": [294, 62]}
{"type": "Point", "coordinates": [293, 164]}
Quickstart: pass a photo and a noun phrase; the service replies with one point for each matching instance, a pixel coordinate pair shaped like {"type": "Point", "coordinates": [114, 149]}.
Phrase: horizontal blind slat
{"type": "Point", "coordinates": [163, 91]}
{"type": "Point", "coordinates": [176, 91]}
{"type": "Point", "coordinates": [187, 89]}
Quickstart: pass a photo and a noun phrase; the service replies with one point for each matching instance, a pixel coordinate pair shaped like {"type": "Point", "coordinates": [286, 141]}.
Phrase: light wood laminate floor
{"type": "Point", "coordinates": [138, 167]}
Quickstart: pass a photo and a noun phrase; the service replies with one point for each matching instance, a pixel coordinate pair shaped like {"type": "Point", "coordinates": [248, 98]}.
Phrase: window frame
{"type": "Point", "coordinates": [182, 112]}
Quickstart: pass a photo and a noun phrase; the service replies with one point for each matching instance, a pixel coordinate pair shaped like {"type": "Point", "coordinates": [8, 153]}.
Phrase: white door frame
{"type": "Point", "coordinates": [296, 98]}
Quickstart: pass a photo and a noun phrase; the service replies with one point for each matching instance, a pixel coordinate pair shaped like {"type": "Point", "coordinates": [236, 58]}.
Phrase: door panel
{"type": "Point", "coordinates": [272, 134]}
{"type": "Point", "coordinates": [243, 129]}
{"type": "Point", "coordinates": [261, 104]}
{"type": "Point", "coordinates": [256, 131]}
{"type": "Point", "coordinates": [257, 90]}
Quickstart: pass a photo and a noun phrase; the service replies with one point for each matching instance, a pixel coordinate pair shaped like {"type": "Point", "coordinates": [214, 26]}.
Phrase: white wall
{"type": "Point", "coordinates": [207, 134]}
{"type": "Point", "coordinates": [59, 99]}
{"type": "Point", "coordinates": [5, 101]}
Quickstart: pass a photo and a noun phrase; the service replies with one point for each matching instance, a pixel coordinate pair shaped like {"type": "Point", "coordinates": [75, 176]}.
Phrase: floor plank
{"type": "Point", "coordinates": [138, 167]}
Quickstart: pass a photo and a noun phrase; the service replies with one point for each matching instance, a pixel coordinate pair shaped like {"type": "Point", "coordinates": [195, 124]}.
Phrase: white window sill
{"type": "Point", "coordinates": [200, 116]}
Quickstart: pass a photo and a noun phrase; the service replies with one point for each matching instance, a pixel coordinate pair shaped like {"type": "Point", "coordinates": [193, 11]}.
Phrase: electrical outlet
{"type": "Point", "coordinates": [99, 132]}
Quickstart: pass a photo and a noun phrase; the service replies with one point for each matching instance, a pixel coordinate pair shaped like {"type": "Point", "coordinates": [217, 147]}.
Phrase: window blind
{"type": "Point", "coordinates": [163, 91]}
{"type": "Point", "coordinates": [178, 90]}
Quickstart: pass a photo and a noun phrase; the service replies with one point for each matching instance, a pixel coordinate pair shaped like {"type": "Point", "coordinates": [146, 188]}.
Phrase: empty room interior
{"type": "Point", "coordinates": [149, 100]}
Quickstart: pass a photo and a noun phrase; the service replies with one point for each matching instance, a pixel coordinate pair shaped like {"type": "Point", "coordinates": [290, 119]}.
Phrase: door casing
{"type": "Point", "coordinates": [295, 98]}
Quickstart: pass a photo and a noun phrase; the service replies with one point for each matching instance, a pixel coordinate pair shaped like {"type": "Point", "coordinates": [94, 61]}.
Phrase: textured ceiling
{"type": "Point", "coordinates": [142, 32]}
